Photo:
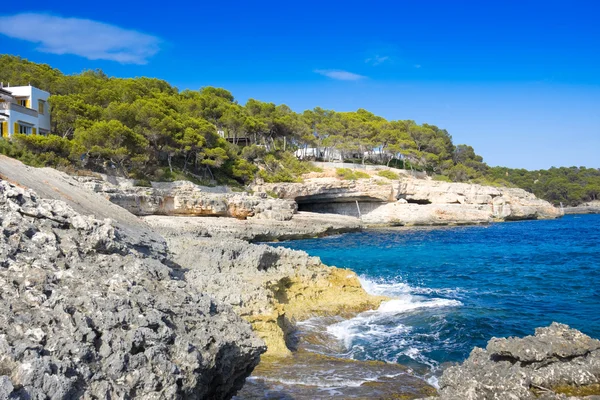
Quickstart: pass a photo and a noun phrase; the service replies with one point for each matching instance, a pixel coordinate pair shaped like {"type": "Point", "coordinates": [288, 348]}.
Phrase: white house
{"type": "Point", "coordinates": [24, 109]}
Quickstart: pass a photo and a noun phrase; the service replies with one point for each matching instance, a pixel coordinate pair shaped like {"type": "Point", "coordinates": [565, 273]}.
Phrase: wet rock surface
{"type": "Point", "coordinates": [308, 376]}
{"type": "Point", "coordinates": [86, 312]}
{"type": "Point", "coordinates": [556, 363]}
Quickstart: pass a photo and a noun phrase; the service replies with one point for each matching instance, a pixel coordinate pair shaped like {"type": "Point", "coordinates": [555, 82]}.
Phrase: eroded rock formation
{"type": "Point", "coordinates": [410, 201]}
{"type": "Point", "coordinates": [591, 207]}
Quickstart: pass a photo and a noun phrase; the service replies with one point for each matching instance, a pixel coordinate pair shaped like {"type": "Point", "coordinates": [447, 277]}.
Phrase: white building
{"type": "Point", "coordinates": [24, 109]}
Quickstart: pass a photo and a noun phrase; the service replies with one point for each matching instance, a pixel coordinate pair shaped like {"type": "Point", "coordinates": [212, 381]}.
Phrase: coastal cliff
{"type": "Point", "coordinates": [272, 288]}
{"type": "Point", "coordinates": [376, 201]}
{"type": "Point", "coordinates": [196, 282]}
{"type": "Point", "coordinates": [410, 201]}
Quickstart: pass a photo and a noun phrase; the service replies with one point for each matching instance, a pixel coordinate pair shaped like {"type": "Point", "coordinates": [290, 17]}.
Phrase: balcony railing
{"type": "Point", "coordinates": [18, 108]}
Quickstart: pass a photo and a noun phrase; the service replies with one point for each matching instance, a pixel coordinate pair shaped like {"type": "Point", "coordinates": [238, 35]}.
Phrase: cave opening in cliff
{"type": "Point", "coordinates": [418, 201]}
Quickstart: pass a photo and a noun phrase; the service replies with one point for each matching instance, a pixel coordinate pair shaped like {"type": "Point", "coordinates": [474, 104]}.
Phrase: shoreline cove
{"type": "Point", "coordinates": [369, 329]}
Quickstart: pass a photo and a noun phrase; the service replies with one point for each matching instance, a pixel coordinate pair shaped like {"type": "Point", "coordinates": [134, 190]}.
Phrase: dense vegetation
{"type": "Point", "coordinates": [147, 129]}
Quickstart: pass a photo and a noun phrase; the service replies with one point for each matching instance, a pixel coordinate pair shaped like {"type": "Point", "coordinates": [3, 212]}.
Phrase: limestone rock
{"type": "Point", "coordinates": [85, 312]}
{"type": "Point", "coordinates": [186, 198]}
{"type": "Point", "coordinates": [591, 207]}
{"type": "Point", "coordinates": [411, 201]}
{"type": "Point", "coordinates": [555, 361]}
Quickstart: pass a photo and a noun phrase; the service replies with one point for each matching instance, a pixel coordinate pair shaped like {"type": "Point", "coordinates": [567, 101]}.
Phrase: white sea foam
{"type": "Point", "coordinates": [382, 325]}
{"type": "Point", "coordinates": [312, 381]}
{"type": "Point", "coordinates": [408, 303]}
{"type": "Point", "coordinates": [433, 381]}
{"type": "Point", "coordinates": [394, 289]}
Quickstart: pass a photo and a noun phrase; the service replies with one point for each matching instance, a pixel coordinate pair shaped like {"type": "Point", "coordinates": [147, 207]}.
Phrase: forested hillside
{"type": "Point", "coordinates": [147, 129]}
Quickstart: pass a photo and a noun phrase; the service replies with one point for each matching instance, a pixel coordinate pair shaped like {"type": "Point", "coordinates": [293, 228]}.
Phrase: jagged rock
{"type": "Point", "coordinates": [186, 198]}
{"type": "Point", "coordinates": [85, 312]}
{"type": "Point", "coordinates": [555, 361]}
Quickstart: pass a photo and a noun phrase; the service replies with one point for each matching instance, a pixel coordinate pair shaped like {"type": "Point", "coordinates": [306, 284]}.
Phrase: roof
{"type": "Point", "coordinates": [4, 91]}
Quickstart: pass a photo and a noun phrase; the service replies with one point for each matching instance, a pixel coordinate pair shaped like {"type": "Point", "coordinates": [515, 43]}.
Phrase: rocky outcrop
{"type": "Point", "coordinates": [89, 310]}
{"type": "Point", "coordinates": [592, 207]}
{"type": "Point", "coordinates": [410, 201]}
{"type": "Point", "coordinates": [49, 183]}
{"type": "Point", "coordinates": [303, 225]}
{"type": "Point", "coordinates": [186, 198]}
{"type": "Point", "coordinates": [557, 361]}
{"type": "Point", "coordinates": [269, 287]}
{"type": "Point", "coordinates": [501, 203]}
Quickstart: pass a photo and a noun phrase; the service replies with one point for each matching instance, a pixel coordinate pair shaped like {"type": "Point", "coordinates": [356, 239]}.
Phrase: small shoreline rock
{"type": "Point", "coordinates": [554, 361]}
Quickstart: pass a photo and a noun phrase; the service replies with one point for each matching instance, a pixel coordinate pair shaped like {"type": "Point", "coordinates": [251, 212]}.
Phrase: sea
{"type": "Point", "coordinates": [455, 288]}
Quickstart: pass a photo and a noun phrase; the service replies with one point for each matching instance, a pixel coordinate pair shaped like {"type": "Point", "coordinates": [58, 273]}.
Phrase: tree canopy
{"type": "Point", "coordinates": [145, 128]}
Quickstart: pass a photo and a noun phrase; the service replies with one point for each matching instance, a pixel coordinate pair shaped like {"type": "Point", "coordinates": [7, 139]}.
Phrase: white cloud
{"type": "Point", "coordinates": [339, 74]}
{"type": "Point", "coordinates": [83, 37]}
{"type": "Point", "coordinates": [377, 60]}
{"type": "Point", "coordinates": [417, 66]}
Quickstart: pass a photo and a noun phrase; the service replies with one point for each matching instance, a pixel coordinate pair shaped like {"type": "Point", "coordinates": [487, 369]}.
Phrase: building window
{"type": "Point", "coordinates": [23, 103]}
{"type": "Point", "coordinates": [24, 129]}
{"type": "Point", "coordinates": [41, 106]}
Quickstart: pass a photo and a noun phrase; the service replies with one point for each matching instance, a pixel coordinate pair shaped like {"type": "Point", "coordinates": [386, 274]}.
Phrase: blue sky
{"type": "Point", "coordinates": [517, 80]}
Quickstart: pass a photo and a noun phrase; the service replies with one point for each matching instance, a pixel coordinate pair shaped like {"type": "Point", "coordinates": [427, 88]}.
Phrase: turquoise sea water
{"type": "Point", "coordinates": [455, 288]}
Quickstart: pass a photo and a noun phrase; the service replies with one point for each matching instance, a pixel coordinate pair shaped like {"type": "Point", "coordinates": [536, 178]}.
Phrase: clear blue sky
{"type": "Point", "coordinates": [517, 80]}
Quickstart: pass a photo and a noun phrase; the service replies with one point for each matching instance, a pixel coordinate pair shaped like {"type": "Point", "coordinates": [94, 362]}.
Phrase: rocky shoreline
{"type": "Point", "coordinates": [592, 207]}
{"type": "Point", "coordinates": [160, 302]}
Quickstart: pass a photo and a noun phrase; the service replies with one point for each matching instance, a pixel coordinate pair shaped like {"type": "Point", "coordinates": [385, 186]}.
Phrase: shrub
{"type": "Point", "coordinates": [389, 174]}
{"type": "Point", "coordinates": [285, 167]}
{"type": "Point", "coordinates": [441, 178]}
{"type": "Point", "coordinates": [351, 175]}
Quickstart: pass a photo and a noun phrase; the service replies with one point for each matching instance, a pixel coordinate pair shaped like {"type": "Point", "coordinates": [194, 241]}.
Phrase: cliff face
{"type": "Point", "coordinates": [409, 201]}
{"type": "Point", "coordinates": [90, 309]}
